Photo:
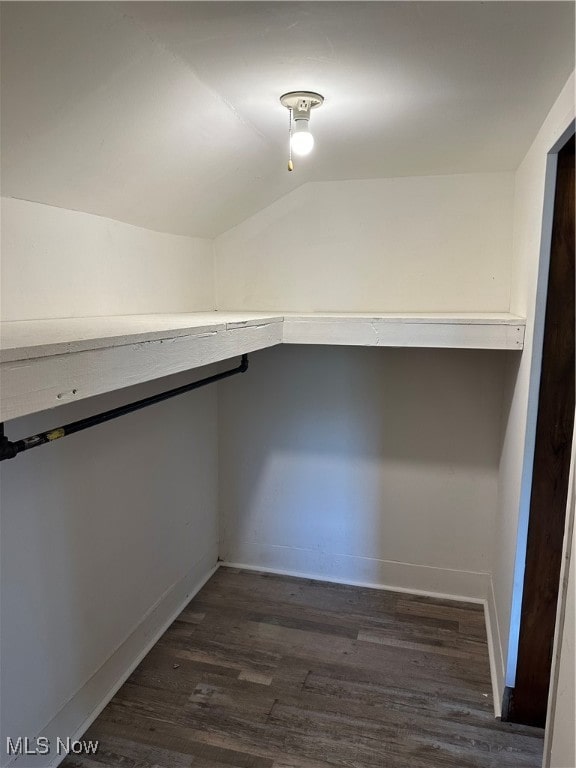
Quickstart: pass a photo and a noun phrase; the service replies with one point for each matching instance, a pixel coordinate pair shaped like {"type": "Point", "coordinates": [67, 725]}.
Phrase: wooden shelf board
{"type": "Point", "coordinates": [27, 339]}
{"type": "Point", "coordinates": [46, 363]}
{"type": "Point", "coordinates": [452, 318]}
{"type": "Point", "coordinates": [452, 331]}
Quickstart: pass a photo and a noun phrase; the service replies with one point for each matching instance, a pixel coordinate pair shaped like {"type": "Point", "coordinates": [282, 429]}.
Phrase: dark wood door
{"type": "Point", "coordinates": [527, 701]}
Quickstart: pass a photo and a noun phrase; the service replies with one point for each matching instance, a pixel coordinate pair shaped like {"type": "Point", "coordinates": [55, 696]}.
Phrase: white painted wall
{"type": "Point", "coordinates": [97, 530]}
{"type": "Point", "coordinates": [364, 465]}
{"type": "Point", "coordinates": [522, 382]}
{"type": "Point", "coordinates": [61, 263]}
{"type": "Point", "coordinates": [435, 243]}
{"type": "Point", "coordinates": [106, 534]}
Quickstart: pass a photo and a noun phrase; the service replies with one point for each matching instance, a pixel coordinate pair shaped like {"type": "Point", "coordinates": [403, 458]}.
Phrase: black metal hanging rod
{"type": "Point", "coordinates": [9, 449]}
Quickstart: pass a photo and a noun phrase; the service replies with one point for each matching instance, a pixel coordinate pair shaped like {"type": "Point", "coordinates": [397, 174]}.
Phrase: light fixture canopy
{"type": "Point", "coordinates": [300, 104]}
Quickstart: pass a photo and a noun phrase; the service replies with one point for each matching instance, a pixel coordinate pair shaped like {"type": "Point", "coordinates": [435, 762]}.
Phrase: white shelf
{"type": "Point", "coordinates": [46, 363]}
{"type": "Point", "coordinates": [454, 331]}
{"type": "Point", "coordinates": [38, 338]}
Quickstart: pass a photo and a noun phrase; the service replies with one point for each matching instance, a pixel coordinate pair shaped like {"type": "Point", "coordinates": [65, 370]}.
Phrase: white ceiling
{"type": "Point", "coordinates": [166, 114]}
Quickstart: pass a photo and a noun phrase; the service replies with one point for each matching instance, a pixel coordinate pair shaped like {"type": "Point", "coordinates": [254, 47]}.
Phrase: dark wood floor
{"type": "Point", "coordinates": [263, 671]}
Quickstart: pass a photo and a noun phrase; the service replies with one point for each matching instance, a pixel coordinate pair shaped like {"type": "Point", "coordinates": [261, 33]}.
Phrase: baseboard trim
{"type": "Point", "coordinates": [444, 583]}
{"type": "Point", "coordinates": [83, 708]}
{"type": "Point", "coordinates": [497, 668]}
{"type": "Point", "coordinates": [352, 583]}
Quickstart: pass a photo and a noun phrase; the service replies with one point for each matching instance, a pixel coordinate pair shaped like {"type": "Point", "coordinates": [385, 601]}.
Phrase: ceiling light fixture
{"type": "Point", "coordinates": [299, 104]}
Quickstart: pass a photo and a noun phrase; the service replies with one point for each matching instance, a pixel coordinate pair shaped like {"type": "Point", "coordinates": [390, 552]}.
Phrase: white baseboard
{"type": "Point", "coordinates": [83, 708]}
{"type": "Point", "coordinates": [497, 667]}
{"type": "Point", "coordinates": [360, 571]}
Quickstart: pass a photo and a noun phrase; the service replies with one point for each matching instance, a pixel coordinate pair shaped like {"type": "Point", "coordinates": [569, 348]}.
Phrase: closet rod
{"type": "Point", "coordinates": [9, 449]}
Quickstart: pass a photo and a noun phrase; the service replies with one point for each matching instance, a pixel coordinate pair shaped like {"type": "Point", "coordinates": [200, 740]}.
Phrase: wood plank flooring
{"type": "Point", "coordinates": [264, 671]}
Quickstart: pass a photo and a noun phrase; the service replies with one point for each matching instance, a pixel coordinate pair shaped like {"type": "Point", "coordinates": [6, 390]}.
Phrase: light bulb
{"type": "Point", "coordinates": [302, 140]}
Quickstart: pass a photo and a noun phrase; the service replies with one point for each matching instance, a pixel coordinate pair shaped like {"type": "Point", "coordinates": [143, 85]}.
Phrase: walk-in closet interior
{"type": "Point", "coordinates": [287, 384]}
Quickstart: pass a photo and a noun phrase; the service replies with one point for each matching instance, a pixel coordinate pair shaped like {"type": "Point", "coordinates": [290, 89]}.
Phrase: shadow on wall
{"type": "Point", "coordinates": [377, 453]}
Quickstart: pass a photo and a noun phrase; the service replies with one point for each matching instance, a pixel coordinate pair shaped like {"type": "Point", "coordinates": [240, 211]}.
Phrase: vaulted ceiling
{"type": "Point", "coordinates": [166, 114]}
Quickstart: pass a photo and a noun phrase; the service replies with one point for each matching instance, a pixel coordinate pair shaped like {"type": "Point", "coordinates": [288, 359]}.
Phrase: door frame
{"type": "Point", "coordinates": [532, 410]}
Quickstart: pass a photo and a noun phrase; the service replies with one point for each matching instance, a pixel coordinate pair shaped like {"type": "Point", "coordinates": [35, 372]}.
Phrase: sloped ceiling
{"type": "Point", "coordinates": [166, 114]}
